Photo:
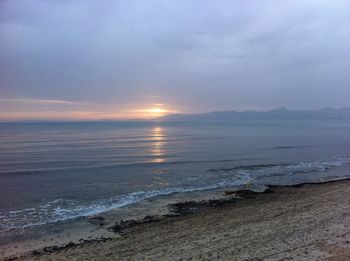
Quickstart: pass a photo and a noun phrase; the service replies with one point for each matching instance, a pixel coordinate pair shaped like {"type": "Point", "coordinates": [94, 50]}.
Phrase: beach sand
{"type": "Point", "coordinates": [307, 222]}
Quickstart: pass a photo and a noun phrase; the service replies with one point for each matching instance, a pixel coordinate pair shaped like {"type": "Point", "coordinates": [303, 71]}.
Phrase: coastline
{"type": "Point", "coordinates": [306, 221]}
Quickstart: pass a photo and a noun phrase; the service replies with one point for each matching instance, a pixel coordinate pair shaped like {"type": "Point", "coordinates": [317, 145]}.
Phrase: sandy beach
{"type": "Point", "coordinates": [306, 222]}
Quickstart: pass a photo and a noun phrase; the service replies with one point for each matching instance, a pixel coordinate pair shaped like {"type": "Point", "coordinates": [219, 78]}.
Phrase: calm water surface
{"type": "Point", "coordinates": [58, 171]}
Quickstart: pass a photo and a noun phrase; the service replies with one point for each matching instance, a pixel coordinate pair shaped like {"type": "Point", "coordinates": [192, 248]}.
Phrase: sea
{"type": "Point", "coordinates": [56, 171]}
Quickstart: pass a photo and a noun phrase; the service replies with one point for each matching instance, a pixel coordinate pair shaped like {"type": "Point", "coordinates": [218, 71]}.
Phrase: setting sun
{"type": "Point", "coordinates": [157, 110]}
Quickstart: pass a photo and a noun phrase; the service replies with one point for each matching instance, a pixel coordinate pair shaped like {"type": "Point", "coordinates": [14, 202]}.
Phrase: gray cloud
{"type": "Point", "coordinates": [193, 55]}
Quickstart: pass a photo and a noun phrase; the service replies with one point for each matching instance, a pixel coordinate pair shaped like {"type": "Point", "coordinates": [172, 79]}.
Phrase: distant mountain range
{"type": "Point", "coordinates": [279, 113]}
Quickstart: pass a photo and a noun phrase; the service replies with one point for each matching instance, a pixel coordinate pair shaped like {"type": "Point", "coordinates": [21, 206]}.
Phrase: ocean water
{"type": "Point", "coordinates": [52, 172]}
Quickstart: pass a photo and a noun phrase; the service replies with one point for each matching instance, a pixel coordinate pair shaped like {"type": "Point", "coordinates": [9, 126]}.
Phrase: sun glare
{"type": "Point", "coordinates": [156, 110]}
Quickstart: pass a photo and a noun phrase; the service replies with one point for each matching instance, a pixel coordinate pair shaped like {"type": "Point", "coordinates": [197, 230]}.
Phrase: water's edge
{"type": "Point", "coordinates": [175, 209]}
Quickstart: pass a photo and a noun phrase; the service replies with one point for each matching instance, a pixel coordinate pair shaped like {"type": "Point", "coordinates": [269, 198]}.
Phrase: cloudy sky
{"type": "Point", "coordinates": [81, 59]}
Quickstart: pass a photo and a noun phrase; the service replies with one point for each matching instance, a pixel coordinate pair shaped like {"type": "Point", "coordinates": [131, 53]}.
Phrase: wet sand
{"type": "Point", "coordinates": [307, 222]}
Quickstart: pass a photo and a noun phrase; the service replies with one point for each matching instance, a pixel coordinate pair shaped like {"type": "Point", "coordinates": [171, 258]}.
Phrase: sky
{"type": "Point", "coordinates": [85, 59]}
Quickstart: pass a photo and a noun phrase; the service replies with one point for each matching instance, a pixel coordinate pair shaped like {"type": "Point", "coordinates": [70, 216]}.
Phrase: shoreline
{"type": "Point", "coordinates": [199, 213]}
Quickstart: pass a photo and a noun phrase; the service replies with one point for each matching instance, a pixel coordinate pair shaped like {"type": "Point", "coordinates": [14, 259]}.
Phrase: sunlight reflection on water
{"type": "Point", "coordinates": [159, 142]}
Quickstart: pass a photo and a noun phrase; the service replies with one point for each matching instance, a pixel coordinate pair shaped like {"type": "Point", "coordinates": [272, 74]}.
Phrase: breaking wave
{"type": "Point", "coordinates": [60, 210]}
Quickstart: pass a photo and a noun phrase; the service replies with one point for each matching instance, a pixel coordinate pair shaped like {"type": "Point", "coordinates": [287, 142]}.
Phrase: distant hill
{"type": "Point", "coordinates": [279, 113]}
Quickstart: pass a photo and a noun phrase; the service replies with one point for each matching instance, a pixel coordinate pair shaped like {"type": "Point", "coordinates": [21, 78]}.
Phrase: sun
{"type": "Point", "coordinates": [156, 110]}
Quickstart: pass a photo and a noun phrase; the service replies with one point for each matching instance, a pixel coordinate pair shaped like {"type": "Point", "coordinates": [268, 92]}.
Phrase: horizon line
{"type": "Point", "coordinates": [157, 119]}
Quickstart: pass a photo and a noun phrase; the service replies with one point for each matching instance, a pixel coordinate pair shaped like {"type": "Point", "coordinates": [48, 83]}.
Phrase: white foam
{"type": "Point", "coordinates": [60, 210]}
